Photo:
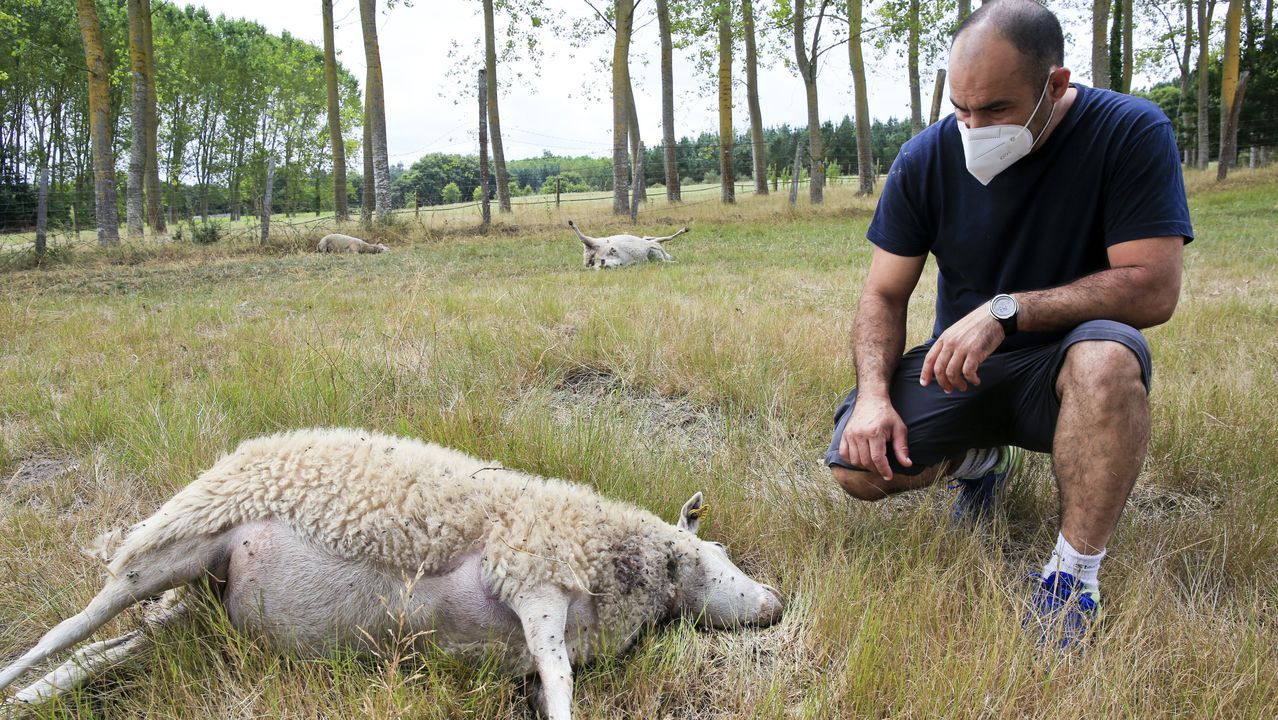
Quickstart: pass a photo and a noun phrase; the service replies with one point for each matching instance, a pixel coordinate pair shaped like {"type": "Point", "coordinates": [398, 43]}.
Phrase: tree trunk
{"type": "Point", "coordinates": [727, 174]}
{"type": "Point", "coordinates": [624, 14]}
{"type": "Point", "coordinates": [377, 111]}
{"type": "Point", "coordinates": [1229, 70]}
{"type": "Point", "coordinates": [1128, 23]}
{"type": "Point", "coordinates": [758, 150]}
{"type": "Point", "coordinates": [673, 193]}
{"type": "Point", "coordinates": [864, 172]}
{"type": "Point", "coordinates": [638, 184]}
{"type": "Point", "coordinates": [1100, 43]}
{"type": "Point", "coordinates": [1229, 139]}
{"type": "Point", "coordinates": [1204, 37]}
{"type": "Point", "coordinates": [808, 71]}
{"type": "Point", "coordinates": [483, 96]}
{"type": "Point", "coordinates": [338, 145]}
{"type": "Point", "coordinates": [1186, 120]}
{"type": "Point", "coordinates": [137, 121]}
{"type": "Point", "coordinates": [100, 124]}
{"type": "Point", "coordinates": [1116, 45]}
{"type": "Point", "coordinates": [494, 119]}
{"type": "Point", "coordinates": [964, 9]}
{"type": "Point", "coordinates": [154, 206]}
{"type": "Point", "coordinates": [366, 189]}
{"type": "Point", "coordinates": [912, 64]}
{"type": "Point", "coordinates": [937, 90]}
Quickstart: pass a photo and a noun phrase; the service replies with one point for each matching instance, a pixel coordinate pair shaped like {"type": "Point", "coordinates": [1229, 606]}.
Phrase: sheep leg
{"type": "Point", "coordinates": [668, 237]}
{"type": "Point", "coordinates": [544, 616]}
{"type": "Point", "coordinates": [86, 663]}
{"type": "Point", "coordinates": [93, 659]}
{"type": "Point", "coordinates": [147, 575]}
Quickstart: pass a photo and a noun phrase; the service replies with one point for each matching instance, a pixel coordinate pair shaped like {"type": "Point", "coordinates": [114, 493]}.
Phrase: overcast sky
{"type": "Point", "coordinates": [555, 111]}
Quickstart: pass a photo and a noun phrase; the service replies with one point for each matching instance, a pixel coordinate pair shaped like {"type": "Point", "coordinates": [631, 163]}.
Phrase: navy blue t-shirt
{"type": "Point", "coordinates": [1108, 173]}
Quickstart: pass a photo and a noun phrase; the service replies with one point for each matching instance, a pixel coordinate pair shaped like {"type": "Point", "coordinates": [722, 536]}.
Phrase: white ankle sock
{"type": "Point", "coordinates": [1066, 559]}
{"type": "Point", "coordinates": [976, 463]}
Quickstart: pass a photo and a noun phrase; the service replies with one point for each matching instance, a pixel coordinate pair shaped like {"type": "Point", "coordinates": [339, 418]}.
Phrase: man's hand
{"type": "Point", "coordinates": [873, 425]}
{"type": "Point", "coordinates": [961, 349]}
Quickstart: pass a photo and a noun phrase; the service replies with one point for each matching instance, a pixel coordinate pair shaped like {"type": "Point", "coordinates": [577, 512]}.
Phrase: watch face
{"type": "Point", "coordinates": [1003, 307]}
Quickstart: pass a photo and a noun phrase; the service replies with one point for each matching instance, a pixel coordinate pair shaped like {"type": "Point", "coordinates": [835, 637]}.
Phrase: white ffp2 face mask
{"type": "Point", "coordinates": [992, 149]}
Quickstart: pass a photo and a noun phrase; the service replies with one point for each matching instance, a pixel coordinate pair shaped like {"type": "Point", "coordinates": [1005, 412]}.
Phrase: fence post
{"type": "Point", "coordinates": [558, 180]}
{"type": "Point", "coordinates": [75, 226]}
{"type": "Point", "coordinates": [266, 202]}
{"type": "Point", "coordinates": [42, 213]}
{"type": "Point", "coordinates": [637, 184]}
{"type": "Point", "coordinates": [794, 177]}
{"type": "Point", "coordinates": [417, 207]}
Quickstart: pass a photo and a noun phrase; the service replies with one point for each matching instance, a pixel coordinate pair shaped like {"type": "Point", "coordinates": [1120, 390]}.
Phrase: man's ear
{"type": "Point", "coordinates": [692, 512]}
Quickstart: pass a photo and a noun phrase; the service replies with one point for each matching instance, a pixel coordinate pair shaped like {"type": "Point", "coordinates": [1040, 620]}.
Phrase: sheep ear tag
{"type": "Point", "coordinates": [692, 513]}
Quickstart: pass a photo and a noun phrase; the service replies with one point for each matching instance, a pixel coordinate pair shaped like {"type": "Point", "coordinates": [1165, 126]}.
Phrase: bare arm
{"type": "Point", "coordinates": [1140, 288]}
{"type": "Point", "coordinates": [878, 338]}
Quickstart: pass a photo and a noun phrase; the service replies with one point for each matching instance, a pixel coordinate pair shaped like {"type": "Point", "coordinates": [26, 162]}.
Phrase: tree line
{"type": "Point", "coordinates": [211, 100]}
{"type": "Point", "coordinates": [208, 103]}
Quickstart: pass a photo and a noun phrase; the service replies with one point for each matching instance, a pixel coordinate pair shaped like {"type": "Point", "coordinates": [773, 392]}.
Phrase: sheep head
{"type": "Point", "coordinates": [710, 587]}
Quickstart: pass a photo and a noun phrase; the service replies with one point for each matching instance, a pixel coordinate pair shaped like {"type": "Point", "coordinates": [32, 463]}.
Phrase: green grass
{"type": "Point", "coordinates": [125, 373]}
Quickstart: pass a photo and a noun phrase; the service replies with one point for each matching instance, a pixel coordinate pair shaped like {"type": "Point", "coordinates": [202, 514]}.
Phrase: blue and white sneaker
{"type": "Point", "coordinates": [1062, 611]}
{"type": "Point", "coordinates": [977, 496]}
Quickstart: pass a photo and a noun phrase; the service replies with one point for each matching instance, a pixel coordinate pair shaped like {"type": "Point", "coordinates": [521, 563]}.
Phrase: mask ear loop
{"type": "Point", "coordinates": [1037, 105]}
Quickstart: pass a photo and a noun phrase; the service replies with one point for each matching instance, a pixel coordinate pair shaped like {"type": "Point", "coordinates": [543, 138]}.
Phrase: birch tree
{"type": "Point", "coordinates": [375, 91]}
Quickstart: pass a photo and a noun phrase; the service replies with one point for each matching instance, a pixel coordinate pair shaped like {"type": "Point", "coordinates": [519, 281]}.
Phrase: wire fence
{"type": "Point", "coordinates": [74, 231]}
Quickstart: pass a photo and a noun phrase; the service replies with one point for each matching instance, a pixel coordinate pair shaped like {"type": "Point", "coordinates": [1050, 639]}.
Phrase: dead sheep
{"type": "Point", "coordinates": [616, 251]}
{"type": "Point", "coordinates": [324, 537]}
{"type": "Point", "coordinates": [339, 243]}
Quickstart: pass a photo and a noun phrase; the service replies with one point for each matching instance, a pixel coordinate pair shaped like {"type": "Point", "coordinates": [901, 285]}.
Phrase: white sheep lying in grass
{"type": "Point", "coordinates": [615, 251]}
{"type": "Point", "coordinates": [339, 243]}
{"type": "Point", "coordinates": [310, 537]}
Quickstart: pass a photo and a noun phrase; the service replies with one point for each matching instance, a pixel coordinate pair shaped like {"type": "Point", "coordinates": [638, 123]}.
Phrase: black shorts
{"type": "Point", "coordinates": [1015, 404]}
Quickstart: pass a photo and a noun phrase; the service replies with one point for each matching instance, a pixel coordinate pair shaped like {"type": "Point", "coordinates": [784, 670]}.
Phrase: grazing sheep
{"type": "Point", "coordinates": [617, 251]}
{"type": "Point", "coordinates": [309, 538]}
{"type": "Point", "coordinates": [339, 243]}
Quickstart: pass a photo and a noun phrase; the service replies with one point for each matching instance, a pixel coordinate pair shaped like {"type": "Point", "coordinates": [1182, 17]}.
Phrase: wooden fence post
{"type": "Point", "coordinates": [794, 178]}
{"type": "Point", "coordinates": [637, 185]}
{"type": "Point", "coordinates": [42, 213]}
{"type": "Point", "coordinates": [266, 202]}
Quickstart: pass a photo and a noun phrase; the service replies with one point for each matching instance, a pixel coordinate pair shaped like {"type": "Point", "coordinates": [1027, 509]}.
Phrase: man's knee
{"type": "Point", "coordinates": [1100, 366]}
{"type": "Point", "coordinates": [859, 484]}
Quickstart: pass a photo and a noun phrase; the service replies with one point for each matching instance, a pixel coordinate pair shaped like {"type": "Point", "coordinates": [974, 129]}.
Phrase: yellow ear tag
{"type": "Point", "coordinates": [697, 513]}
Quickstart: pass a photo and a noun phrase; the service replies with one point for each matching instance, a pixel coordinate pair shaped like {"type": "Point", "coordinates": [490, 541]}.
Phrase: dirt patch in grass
{"type": "Point", "coordinates": [34, 472]}
{"type": "Point", "coordinates": [662, 421]}
{"type": "Point", "coordinates": [37, 481]}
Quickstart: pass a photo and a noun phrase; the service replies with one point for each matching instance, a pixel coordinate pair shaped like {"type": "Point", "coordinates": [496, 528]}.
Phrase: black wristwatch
{"type": "Point", "coordinates": [1005, 310]}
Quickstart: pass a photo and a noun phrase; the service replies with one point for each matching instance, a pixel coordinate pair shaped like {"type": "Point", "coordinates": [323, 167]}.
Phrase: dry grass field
{"type": "Point", "coordinates": [125, 373]}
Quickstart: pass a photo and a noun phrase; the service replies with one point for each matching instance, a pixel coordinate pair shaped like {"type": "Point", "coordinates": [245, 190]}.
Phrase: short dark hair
{"type": "Point", "coordinates": [1031, 28]}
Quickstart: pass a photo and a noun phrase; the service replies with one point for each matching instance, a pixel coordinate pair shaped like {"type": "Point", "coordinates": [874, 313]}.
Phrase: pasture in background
{"type": "Point", "coordinates": [125, 372]}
